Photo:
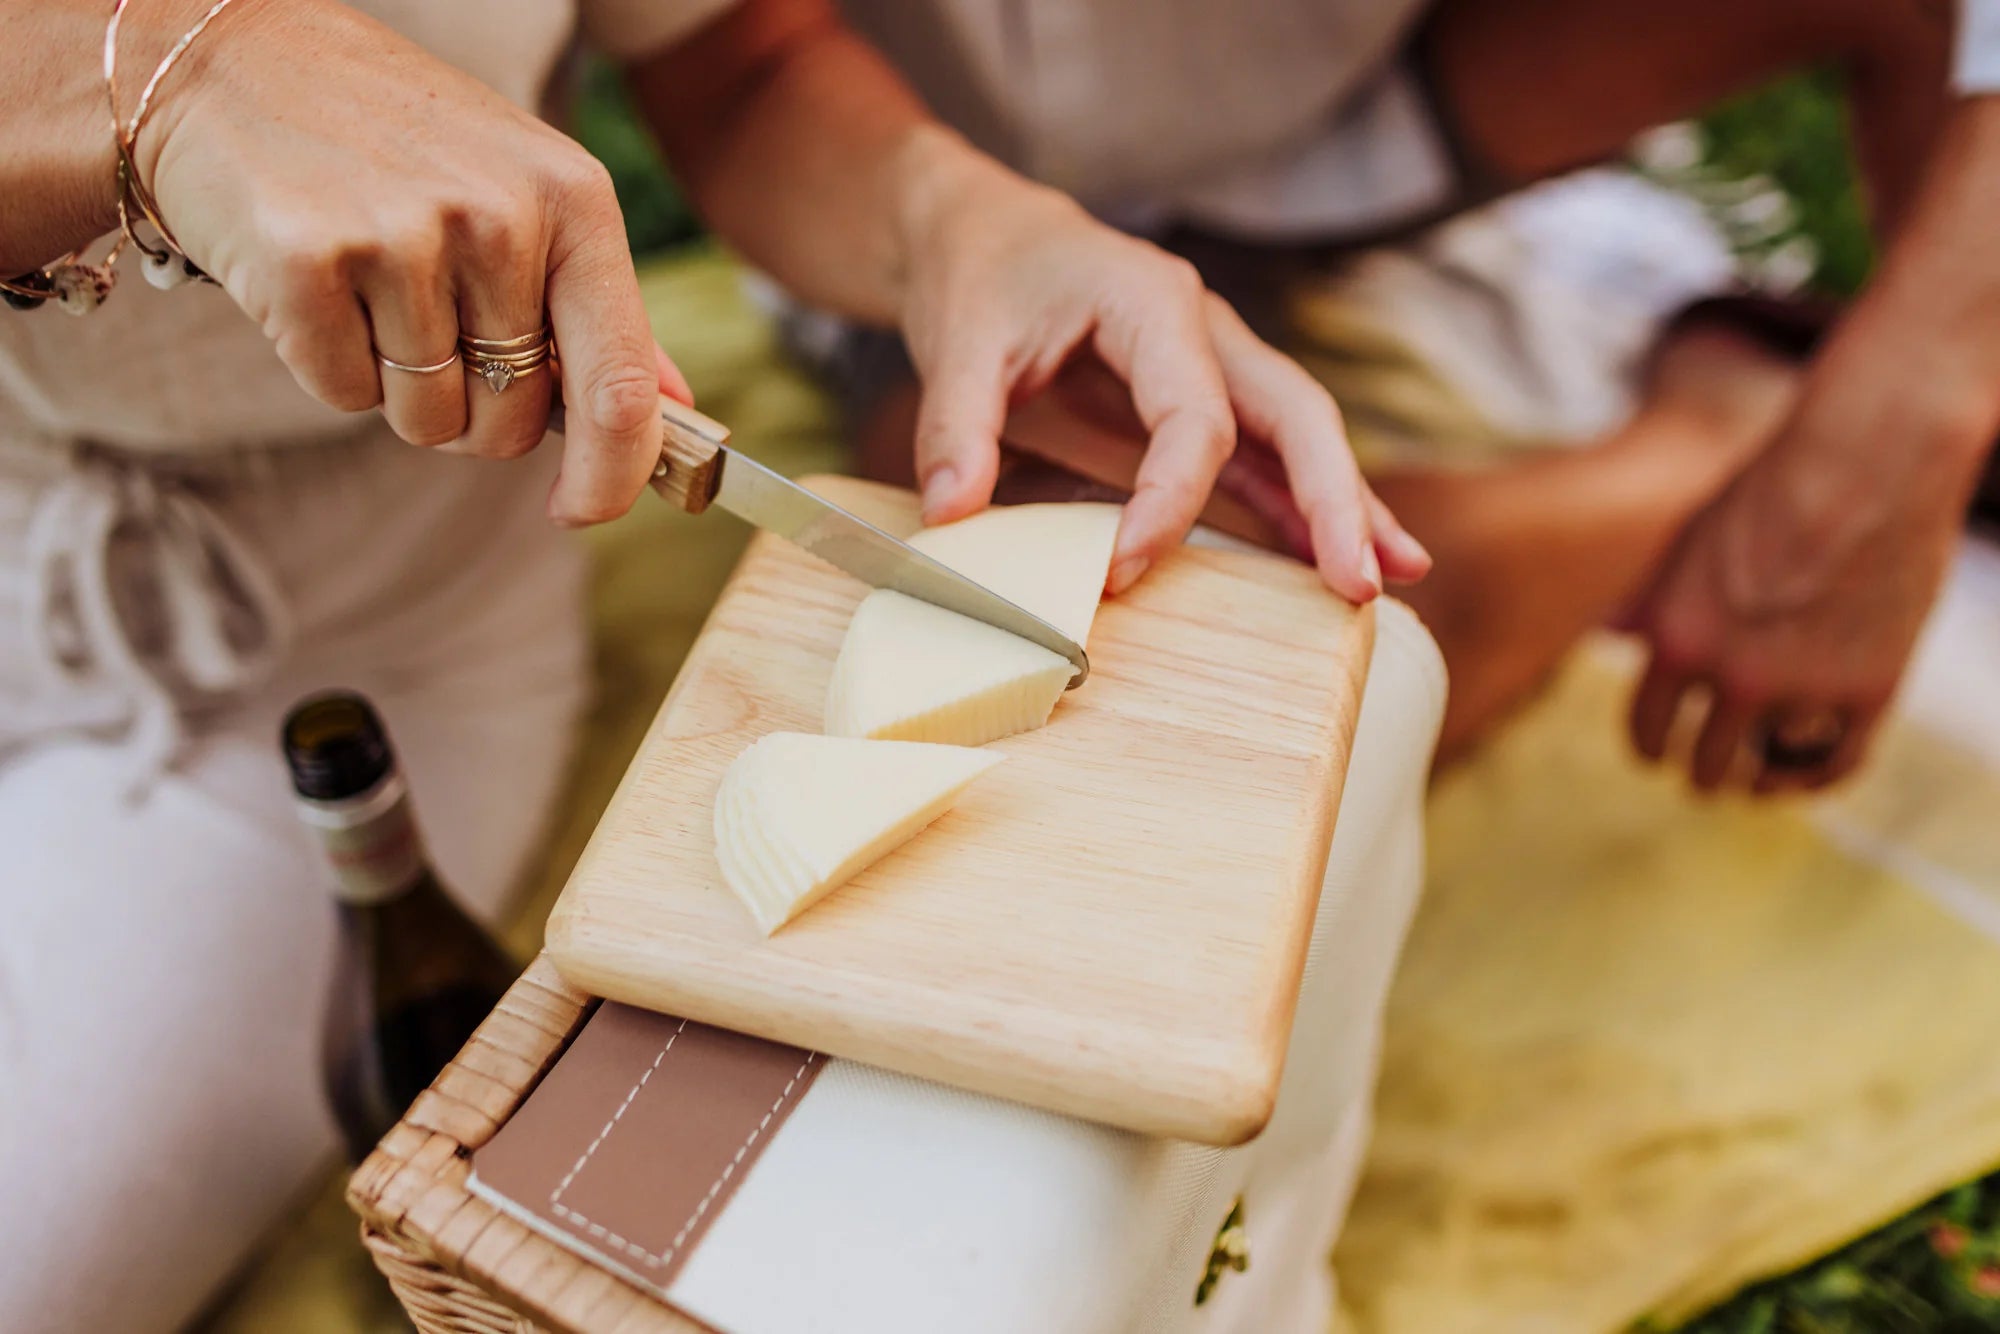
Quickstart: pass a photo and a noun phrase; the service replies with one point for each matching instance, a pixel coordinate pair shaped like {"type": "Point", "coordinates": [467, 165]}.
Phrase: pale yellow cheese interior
{"type": "Point", "coordinates": [797, 815]}
{"type": "Point", "coordinates": [910, 671]}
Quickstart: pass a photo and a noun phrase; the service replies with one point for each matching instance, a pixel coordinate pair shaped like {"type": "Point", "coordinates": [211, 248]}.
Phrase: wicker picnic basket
{"type": "Point", "coordinates": [457, 1264]}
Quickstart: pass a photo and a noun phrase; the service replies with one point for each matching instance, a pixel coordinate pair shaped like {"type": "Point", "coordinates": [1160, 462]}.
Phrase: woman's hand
{"type": "Point", "coordinates": [1793, 601]}
{"type": "Point", "coordinates": [1008, 280]}
{"type": "Point", "coordinates": [356, 195]}
{"type": "Point", "coordinates": [1787, 610]}
{"type": "Point", "coordinates": [814, 158]}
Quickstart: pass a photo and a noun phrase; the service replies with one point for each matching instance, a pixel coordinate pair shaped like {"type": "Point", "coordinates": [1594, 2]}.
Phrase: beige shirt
{"type": "Point", "coordinates": [1270, 118]}
{"type": "Point", "coordinates": [186, 371]}
{"type": "Point", "coordinates": [1976, 69]}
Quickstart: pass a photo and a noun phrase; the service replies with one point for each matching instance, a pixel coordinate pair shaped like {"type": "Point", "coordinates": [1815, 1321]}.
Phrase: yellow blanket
{"type": "Point", "coordinates": [1645, 1048]}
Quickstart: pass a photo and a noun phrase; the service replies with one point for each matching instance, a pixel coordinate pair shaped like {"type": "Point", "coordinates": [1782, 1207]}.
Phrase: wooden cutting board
{"type": "Point", "coordinates": [1111, 924]}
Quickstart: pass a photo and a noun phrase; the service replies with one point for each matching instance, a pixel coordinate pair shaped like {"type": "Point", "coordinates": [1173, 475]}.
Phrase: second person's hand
{"type": "Point", "coordinates": [1010, 279]}
{"type": "Point", "coordinates": [1786, 612]}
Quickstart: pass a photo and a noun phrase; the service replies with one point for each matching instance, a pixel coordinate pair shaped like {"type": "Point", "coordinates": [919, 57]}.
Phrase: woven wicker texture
{"type": "Point", "coordinates": [458, 1265]}
{"type": "Point", "coordinates": [438, 1302]}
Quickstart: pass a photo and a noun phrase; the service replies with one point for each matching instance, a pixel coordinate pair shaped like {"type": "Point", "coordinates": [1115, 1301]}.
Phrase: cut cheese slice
{"type": "Point", "coordinates": [797, 815]}
{"type": "Point", "coordinates": [912, 671]}
{"type": "Point", "coordinates": [1051, 559]}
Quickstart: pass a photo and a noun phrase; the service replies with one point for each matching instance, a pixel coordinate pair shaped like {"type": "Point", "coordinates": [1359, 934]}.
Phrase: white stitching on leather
{"type": "Point", "coordinates": [631, 1248]}
{"type": "Point", "coordinates": [556, 1196]}
{"type": "Point", "coordinates": [744, 1148]}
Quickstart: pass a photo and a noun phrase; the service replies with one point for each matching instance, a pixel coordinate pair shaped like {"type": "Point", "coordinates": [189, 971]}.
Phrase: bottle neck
{"type": "Point", "coordinates": [371, 840]}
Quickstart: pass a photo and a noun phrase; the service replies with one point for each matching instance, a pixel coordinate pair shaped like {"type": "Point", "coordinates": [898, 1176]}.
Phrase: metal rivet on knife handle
{"type": "Point", "coordinates": [690, 467]}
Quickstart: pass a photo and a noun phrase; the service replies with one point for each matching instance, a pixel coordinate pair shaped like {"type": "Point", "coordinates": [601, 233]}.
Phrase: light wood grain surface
{"type": "Point", "coordinates": [1111, 924]}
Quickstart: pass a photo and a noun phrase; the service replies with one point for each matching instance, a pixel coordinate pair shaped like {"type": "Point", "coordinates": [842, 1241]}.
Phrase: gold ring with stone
{"type": "Point", "coordinates": [501, 361]}
{"type": "Point", "coordinates": [501, 371]}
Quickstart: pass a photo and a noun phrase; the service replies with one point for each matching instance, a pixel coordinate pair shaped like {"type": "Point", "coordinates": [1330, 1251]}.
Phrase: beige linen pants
{"type": "Point", "coordinates": [167, 925]}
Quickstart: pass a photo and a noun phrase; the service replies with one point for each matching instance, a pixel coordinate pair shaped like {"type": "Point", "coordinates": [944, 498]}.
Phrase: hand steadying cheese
{"type": "Point", "coordinates": [915, 672]}
{"type": "Point", "coordinates": [797, 815]}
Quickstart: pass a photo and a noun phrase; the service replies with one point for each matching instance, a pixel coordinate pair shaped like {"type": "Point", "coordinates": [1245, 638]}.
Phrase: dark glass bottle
{"type": "Point", "coordinates": [415, 975]}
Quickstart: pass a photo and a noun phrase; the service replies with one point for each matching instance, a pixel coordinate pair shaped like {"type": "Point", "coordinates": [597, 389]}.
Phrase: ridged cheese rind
{"type": "Point", "coordinates": [909, 670]}
{"type": "Point", "coordinates": [797, 815]}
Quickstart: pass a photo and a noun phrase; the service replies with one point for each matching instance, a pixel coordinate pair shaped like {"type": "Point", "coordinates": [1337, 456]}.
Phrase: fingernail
{"type": "Point", "coordinates": [938, 488]}
{"type": "Point", "coordinates": [1371, 568]}
{"type": "Point", "coordinates": [1126, 572]}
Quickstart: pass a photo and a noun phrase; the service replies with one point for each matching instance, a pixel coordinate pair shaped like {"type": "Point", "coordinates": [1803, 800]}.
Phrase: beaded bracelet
{"type": "Point", "coordinates": [78, 287]}
{"type": "Point", "coordinates": [74, 286]}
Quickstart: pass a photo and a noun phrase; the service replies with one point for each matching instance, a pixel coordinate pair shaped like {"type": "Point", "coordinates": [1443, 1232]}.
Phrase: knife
{"type": "Point", "coordinates": [698, 469]}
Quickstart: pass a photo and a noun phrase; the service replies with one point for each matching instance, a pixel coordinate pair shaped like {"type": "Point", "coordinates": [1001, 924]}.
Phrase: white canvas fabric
{"type": "Point", "coordinates": [169, 921]}
{"type": "Point", "coordinates": [1271, 118]}
{"type": "Point", "coordinates": [1976, 70]}
{"type": "Point", "coordinates": [892, 1205]}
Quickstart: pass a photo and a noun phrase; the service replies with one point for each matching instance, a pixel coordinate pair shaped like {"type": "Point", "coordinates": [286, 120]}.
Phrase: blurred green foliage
{"type": "Point", "coordinates": [657, 216]}
{"type": "Point", "coordinates": [1794, 132]}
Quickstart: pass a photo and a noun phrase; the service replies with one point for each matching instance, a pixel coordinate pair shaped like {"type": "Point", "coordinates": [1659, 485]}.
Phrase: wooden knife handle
{"type": "Point", "coordinates": [690, 467]}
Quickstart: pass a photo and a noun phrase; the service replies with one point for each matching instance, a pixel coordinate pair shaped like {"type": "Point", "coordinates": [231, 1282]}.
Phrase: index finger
{"type": "Point", "coordinates": [611, 376]}
{"type": "Point", "coordinates": [1283, 404]}
{"type": "Point", "coordinates": [1179, 393]}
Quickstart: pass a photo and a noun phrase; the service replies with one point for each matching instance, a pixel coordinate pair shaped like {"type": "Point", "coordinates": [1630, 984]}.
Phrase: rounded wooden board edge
{"type": "Point", "coordinates": [1241, 1096]}
{"type": "Point", "coordinates": [1267, 1075]}
{"type": "Point", "coordinates": [1234, 1108]}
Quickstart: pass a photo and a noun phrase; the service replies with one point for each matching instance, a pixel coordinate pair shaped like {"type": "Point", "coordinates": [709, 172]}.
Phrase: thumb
{"type": "Point", "coordinates": [963, 407]}
{"type": "Point", "coordinates": [672, 383]}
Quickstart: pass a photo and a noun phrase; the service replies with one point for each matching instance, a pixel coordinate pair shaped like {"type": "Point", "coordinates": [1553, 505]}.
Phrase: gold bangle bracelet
{"type": "Point", "coordinates": [167, 62]}
{"type": "Point", "coordinates": [79, 287]}
{"type": "Point", "coordinates": [168, 265]}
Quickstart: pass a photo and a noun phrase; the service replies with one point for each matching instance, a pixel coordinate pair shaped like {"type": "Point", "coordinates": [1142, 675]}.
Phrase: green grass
{"type": "Point", "coordinates": [1936, 1270]}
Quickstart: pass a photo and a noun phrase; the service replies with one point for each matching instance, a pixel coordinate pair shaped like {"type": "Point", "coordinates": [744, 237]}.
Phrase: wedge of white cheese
{"type": "Point", "coordinates": [797, 815]}
{"type": "Point", "coordinates": [911, 671]}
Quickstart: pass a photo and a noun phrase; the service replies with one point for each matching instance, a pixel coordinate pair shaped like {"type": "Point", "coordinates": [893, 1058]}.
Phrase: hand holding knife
{"type": "Point", "coordinates": [698, 469]}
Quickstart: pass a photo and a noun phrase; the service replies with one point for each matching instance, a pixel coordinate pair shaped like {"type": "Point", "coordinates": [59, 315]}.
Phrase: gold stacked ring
{"type": "Point", "coordinates": [1804, 740]}
{"type": "Point", "coordinates": [431, 369]}
{"type": "Point", "coordinates": [501, 361]}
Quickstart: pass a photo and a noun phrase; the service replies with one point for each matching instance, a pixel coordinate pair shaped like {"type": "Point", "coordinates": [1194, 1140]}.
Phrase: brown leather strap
{"type": "Point", "coordinates": [635, 1142]}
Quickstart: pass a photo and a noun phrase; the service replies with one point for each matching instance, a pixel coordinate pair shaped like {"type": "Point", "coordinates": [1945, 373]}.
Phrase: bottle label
{"type": "Point", "coordinates": [371, 840]}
